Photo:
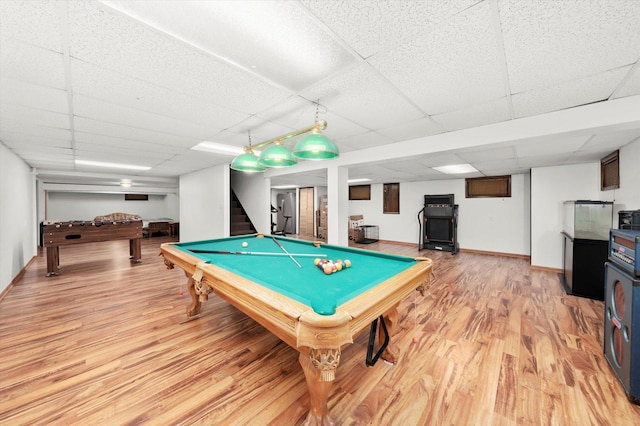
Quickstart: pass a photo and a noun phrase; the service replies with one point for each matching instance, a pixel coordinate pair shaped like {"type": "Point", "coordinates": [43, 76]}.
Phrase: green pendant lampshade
{"type": "Point", "coordinates": [277, 156]}
{"type": "Point", "coordinates": [247, 162]}
{"type": "Point", "coordinates": [315, 146]}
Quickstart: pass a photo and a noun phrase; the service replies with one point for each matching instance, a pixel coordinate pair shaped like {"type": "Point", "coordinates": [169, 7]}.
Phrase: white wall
{"type": "Point", "coordinates": [489, 224]}
{"type": "Point", "coordinates": [171, 206]}
{"type": "Point", "coordinates": [550, 188]}
{"type": "Point", "coordinates": [627, 197]}
{"type": "Point", "coordinates": [204, 204]}
{"type": "Point", "coordinates": [86, 206]}
{"type": "Point", "coordinates": [18, 230]}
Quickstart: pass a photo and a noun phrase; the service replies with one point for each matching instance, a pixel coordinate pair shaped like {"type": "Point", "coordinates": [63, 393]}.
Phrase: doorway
{"type": "Point", "coordinates": [306, 212]}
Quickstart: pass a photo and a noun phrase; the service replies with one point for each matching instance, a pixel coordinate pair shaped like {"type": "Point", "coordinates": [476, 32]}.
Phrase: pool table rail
{"type": "Point", "coordinates": [386, 295]}
{"type": "Point", "coordinates": [318, 338]}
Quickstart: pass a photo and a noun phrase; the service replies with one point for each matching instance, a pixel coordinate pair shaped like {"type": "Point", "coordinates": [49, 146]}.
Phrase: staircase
{"type": "Point", "coordinates": [240, 222]}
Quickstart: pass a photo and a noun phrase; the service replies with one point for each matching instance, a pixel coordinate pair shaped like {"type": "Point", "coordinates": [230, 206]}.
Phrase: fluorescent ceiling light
{"type": "Point", "coordinates": [358, 180]}
{"type": "Point", "coordinates": [219, 148]}
{"type": "Point", "coordinates": [456, 169]}
{"type": "Point", "coordinates": [285, 187]}
{"type": "Point", "coordinates": [110, 165]}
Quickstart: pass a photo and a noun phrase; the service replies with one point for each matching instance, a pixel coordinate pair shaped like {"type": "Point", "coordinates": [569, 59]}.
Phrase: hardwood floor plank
{"type": "Point", "coordinates": [107, 342]}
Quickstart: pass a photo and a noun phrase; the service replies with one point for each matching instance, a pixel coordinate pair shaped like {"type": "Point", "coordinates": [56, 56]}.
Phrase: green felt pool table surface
{"type": "Point", "coordinates": [306, 284]}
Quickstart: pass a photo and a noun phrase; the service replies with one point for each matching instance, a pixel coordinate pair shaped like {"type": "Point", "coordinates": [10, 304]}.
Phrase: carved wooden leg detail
{"type": "Point", "coordinates": [390, 320]}
{"type": "Point", "coordinates": [196, 305]}
{"type": "Point", "coordinates": [319, 369]}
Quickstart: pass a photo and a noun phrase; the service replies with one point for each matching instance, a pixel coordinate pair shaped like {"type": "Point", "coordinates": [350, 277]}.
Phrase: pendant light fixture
{"type": "Point", "coordinates": [277, 156]}
{"type": "Point", "coordinates": [248, 161]}
{"type": "Point", "coordinates": [314, 146]}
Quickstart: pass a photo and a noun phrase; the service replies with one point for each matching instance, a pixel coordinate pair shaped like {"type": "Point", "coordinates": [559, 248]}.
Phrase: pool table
{"type": "Point", "coordinates": [274, 281]}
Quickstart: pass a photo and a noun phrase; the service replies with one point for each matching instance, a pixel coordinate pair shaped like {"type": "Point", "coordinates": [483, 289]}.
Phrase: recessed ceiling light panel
{"type": "Point", "coordinates": [456, 169]}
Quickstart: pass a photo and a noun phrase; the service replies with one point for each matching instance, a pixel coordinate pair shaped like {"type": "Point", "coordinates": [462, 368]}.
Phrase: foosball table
{"type": "Point", "coordinates": [59, 234]}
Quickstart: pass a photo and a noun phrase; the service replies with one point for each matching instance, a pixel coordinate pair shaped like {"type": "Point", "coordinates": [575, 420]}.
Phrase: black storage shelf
{"type": "Point", "coordinates": [583, 266]}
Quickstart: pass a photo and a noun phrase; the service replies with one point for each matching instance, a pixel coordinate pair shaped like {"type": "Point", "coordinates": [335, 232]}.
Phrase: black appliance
{"type": "Point", "coordinates": [440, 223]}
{"type": "Point", "coordinates": [629, 219]}
{"type": "Point", "coordinates": [624, 250]}
{"type": "Point", "coordinates": [622, 328]}
{"type": "Point", "coordinates": [585, 241]}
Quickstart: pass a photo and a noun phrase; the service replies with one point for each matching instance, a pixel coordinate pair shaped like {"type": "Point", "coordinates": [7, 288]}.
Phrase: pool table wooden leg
{"type": "Point", "coordinates": [390, 320]}
{"type": "Point", "coordinates": [196, 305]}
{"type": "Point", "coordinates": [319, 383]}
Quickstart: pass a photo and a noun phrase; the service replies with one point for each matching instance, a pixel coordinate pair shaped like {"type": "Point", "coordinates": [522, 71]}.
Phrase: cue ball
{"type": "Point", "coordinates": [245, 244]}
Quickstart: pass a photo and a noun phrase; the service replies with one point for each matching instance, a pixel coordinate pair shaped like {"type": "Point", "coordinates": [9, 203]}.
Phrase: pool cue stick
{"type": "Point", "coordinates": [285, 250]}
{"type": "Point", "coordinates": [254, 253]}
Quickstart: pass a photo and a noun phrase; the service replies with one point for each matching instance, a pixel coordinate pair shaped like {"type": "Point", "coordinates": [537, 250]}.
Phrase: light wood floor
{"type": "Point", "coordinates": [106, 343]}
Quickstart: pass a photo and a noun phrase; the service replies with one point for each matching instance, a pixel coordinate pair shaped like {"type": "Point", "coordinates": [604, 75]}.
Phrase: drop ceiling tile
{"type": "Point", "coordinates": [363, 96]}
{"type": "Point", "coordinates": [187, 162]}
{"type": "Point", "coordinates": [33, 22]}
{"type": "Point", "coordinates": [390, 176]}
{"type": "Point", "coordinates": [260, 36]}
{"type": "Point", "coordinates": [118, 114]}
{"type": "Point", "coordinates": [53, 163]}
{"type": "Point", "coordinates": [568, 94]}
{"type": "Point", "coordinates": [111, 40]}
{"type": "Point", "coordinates": [487, 154]}
{"type": "Point", "coordinates": [610, 141]}
{"type": "Point", "coordinates": [34, 96]}
{"type": "Point", "coordinates": [298, 113]}
{"type": "Point", "coordinates": [474, 116]}
{"type": "Point", "coordinates": [631, 86]}
{"type": "Point", "coordinates": [408, 166]}
{"type": "Point", "coordinates": [231, 138]}
{"type": "Point", "coordinates": [419, 128]}
{"type": "Point", "coordinates": [99, 127]}
{"type": "Point", "coordinates": [33, 134]}
{"type": "Point", "coordinates": [547, 160]}
{"type": "Point", "coordinates": [102, 84]}
{"type": "Point", "coordinates": [260, 130]}
{"type": "Point", "coordinates": [137, 159]}
{"type": "Point", "coordinates": [98, 143]}
{"type": "Point", "coordinates": [441, 159]}
{"type": "Point", "coordinates": [567, 40]}
{"type": "Point", "coordinates": [20, 61]}
{"type": "Point", "coordinates": [371, 26]}
{"type": "Point", "coordinates": [367, 171]}
{"type": "Point", "coordinates": [454, 66]}
{"type": "Point", "coordinates": [44, 151]}
{"type": "Point", "coordinates": [363, 141]}
{"type": "Point", "coordinates": [495, 165]}
{"type": "Point", "coordinates": [338, 125]}
{"type": "Point", "coordinates": [294, 112]}
{"type": "Point", "coordinates": [550, 146]}
{"type": "Point", "coordinates": [32, 116]}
